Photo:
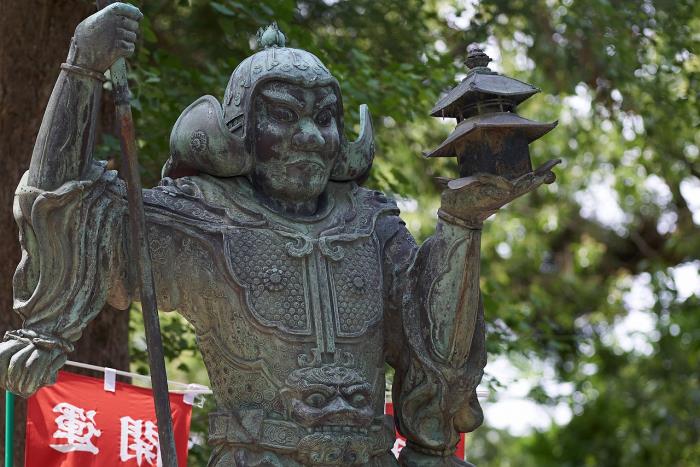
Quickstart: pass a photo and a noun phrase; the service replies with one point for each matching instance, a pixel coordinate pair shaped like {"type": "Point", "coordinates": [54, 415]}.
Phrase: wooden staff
{"type": "Point", "coordinates": [140, 252]}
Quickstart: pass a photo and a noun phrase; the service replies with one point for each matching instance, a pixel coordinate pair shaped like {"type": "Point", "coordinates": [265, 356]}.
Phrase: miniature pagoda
{"type": "Point", "coordinates": [490, 136]}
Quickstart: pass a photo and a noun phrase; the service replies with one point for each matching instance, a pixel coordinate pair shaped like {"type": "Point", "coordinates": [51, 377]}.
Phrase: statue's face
{"type": "Point", "coordinates": [297, 140]}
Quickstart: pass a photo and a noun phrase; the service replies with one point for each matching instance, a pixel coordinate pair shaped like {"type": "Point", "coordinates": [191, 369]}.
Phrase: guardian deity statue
{"type": "Point", "coordinates": [300, 284]}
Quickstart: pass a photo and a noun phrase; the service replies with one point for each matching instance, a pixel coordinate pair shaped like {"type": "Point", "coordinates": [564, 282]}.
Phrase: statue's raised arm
{"type": "Point", "coordinates": [64, 145]}
{"type": "Point", "coordinates": [436, 333]}
{"type": "Point", "coordinates": [69, 212]}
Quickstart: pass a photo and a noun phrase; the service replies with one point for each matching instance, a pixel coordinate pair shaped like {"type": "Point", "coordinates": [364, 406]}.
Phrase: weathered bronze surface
{"type": "Point", "coordinates": [300, 284]}
{"type": "Point", "coordinates": [490, 137]}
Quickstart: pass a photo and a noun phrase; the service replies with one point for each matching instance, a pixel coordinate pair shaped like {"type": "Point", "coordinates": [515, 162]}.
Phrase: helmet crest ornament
{"type": "Point", "coordinates": [271, 36]}
{"type": "Point", "coordinates": [228, 127]}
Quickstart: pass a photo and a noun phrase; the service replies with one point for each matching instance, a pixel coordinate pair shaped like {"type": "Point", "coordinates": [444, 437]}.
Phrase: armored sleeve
{"type": "Point", "coordinates": [71, 214]}
{"type": "Point", "coordinates": [73, 261]}
{"type": "Point", "coordinates": [434, 336]}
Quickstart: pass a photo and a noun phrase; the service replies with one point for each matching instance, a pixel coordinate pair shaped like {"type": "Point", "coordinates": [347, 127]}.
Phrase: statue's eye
{"type": "Point", "coordinates": [315, 400]}
{"type": "Point", "coordinates": [283, 114]}
{"type": "Point", "coordinates": [358, 400]}
{"type": "Point", "coordinates": [324, 117]}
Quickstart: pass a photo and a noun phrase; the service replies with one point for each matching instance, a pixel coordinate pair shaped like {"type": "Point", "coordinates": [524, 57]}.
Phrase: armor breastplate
{"type": "Point", "coordinates": [295, 354]}
{"type": "Point", "coordinates": [279, 274]}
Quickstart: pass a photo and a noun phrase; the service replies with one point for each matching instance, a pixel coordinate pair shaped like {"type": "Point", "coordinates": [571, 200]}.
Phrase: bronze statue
{"type": "Point", "coordinates": [299, 283]}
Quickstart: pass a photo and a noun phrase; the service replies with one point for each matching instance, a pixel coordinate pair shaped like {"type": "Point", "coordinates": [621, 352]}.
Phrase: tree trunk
{"type": "Point", "coordinates": [35, 36]}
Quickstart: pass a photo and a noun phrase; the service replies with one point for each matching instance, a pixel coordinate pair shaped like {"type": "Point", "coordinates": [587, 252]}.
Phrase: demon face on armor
{"type": "Point", "coordinates": [327, 396]}
{"type": "Point", "coordinates": [334, 403]}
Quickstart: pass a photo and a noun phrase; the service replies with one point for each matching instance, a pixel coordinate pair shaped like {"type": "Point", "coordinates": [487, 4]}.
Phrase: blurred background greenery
{"type": "Point", "coordinates": [591, 284]}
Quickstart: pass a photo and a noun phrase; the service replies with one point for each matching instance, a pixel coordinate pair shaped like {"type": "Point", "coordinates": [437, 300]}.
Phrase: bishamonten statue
{"type": "Point", "coordinates": [300, 283]}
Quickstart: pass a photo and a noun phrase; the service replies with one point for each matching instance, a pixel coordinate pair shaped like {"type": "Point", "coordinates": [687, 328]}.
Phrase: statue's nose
{"type": "Point", "coordinates": [308, 137]}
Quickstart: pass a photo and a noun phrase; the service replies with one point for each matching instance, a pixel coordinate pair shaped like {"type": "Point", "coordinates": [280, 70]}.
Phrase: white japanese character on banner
{"type": "Point", "coordinates": [77, 427]}
{"type": "Point", "coordinates": [399, 444]}
{"type": "Point", "coordinates": [139, 441]}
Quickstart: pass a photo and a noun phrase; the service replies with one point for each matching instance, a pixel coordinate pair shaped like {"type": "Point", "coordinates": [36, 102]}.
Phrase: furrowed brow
{"type": "Point", "coordinates": [282, 98]}
{"type": "Point", "coordinates": [326, 101]}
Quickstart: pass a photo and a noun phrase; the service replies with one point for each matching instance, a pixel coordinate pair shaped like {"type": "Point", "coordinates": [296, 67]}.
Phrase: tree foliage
{"type": "Point", "coordinates": [561, 267]}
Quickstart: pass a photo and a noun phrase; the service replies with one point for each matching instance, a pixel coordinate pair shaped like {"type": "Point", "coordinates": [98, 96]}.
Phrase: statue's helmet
{"type": "Point", "coordinates": [218, 138]}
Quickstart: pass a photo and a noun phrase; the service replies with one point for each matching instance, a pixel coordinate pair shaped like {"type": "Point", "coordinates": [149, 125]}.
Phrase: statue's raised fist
{"type": "Point", "coordinates": [105, 36]}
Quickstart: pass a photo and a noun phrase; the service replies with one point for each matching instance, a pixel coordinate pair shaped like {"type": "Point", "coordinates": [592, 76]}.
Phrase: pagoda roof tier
{"type": "Point", "coordinates": [471, 128]}
{"type": "Point", "coordinates": [478, 84]}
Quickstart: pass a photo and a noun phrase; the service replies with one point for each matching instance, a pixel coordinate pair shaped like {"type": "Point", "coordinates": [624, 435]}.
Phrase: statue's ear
{"type": "Point", "coordinates": [200, 142]}
{"type": "Point", "coordinates": [356, 157]}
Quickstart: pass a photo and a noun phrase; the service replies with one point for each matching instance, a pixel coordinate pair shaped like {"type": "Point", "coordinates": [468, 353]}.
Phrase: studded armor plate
{"type": "Point", "coordinates": [358, 288]}
{"type": "Point", "coordinates": [272, 278]}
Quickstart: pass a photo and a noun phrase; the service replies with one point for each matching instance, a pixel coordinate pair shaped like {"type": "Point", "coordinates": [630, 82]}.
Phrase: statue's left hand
{"type": "Point", "coordinates": [24, 368]}
{"type": "Point", "coordinates": [473, 199]}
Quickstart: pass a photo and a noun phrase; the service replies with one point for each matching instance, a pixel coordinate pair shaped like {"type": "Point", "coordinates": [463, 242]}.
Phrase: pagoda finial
{"type": "Point", "coordinates": [271, 36]}
{"type": "Point", "coordinates": [476, 57]}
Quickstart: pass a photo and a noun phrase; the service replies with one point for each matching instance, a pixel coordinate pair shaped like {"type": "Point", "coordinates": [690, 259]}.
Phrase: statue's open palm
{"type": "Point", "coordinates": [472, 199]}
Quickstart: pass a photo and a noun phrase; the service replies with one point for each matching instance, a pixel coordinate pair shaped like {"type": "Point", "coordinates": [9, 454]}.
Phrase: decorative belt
{"type": "Point", "coordinates": [344, 445]}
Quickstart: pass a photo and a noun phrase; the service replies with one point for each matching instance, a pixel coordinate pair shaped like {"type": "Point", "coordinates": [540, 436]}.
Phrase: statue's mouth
{"type": "Point", "coordinates": [310, 170]}
{"type": "Point", "coordinates": [302, 163]}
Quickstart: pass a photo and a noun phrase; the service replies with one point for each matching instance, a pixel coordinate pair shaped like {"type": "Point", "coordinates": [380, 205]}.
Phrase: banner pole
{"type": "Point", "coordinates": [9, 428]}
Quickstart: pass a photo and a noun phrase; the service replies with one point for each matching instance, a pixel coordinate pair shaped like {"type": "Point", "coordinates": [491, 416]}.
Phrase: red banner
{"type": "Point", "coordinates": [77, 423]}
{"type": "Point", "coordinates": [401, 441]}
